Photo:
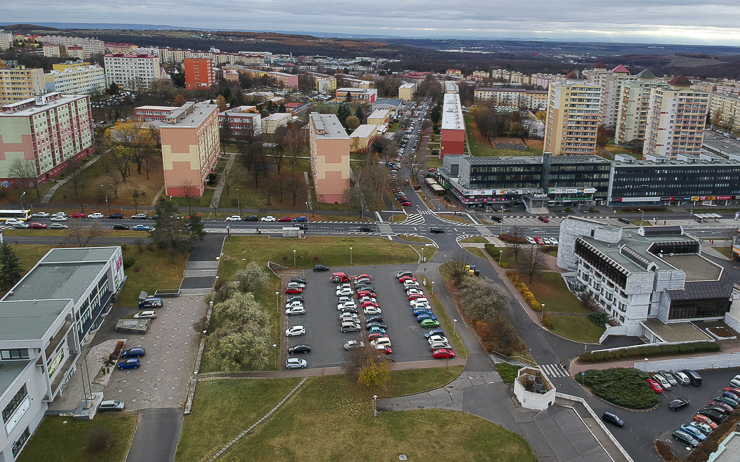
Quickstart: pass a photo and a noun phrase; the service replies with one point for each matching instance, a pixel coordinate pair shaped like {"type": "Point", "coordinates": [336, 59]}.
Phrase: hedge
{"type": "Point", "coordinates": [524, 290]}
{"type": "Point", "coordinates": [623, 387]}
{"type": "Point", "coordinates": [644, 351]}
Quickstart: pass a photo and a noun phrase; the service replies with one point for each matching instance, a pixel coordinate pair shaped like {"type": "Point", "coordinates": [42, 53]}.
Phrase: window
{"type": "Point", "coordinates": [14, 354]}
{"type": "Point", "coordinates": [14, 403]}
{"type": "Point", "coordinates": [18, 444]}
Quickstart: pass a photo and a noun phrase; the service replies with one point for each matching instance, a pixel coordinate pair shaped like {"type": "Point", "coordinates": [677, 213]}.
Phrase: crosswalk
{"type": "Point", "coordinates": [413, 219]}
{"type": "Point", "coordinates": [554, 370]}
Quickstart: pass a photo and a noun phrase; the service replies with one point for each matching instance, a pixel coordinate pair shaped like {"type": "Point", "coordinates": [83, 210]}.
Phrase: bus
{"type": "Point", "coordinates": [17, 214]}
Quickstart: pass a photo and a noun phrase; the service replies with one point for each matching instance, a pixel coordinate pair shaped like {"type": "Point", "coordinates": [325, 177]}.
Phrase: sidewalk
{"type": "Point", "coordinates": [53, 189]}
{"type": "Point", "coordinates": [216, 199]}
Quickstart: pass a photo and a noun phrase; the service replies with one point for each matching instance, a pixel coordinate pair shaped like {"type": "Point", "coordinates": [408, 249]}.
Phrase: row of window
{"type": "Point", "coordinates": [14, 403]}
{"type": "Point", "coordinates": [20, 353]}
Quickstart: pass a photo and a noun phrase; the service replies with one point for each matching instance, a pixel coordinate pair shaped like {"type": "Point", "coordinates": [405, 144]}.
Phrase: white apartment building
{"type": "Point", "coordinates": [89, 46]}
{"type": "Point", "coordinates": [77, 81]}
{"type": "Point", "coordinates": [634, 105]}
{"type": "Point", "coordinates": [676, 120]}
{"type": "Point", "coordinates": [572, 118]}
{"type": "Point", "coordinates": [725, 112]}
{"type": "Point", "coordinates": [132, 72]}
{"type": "Point", "coordinates": [535, 100]}
{"type": "Point", "coordinates": [6, 39]}
{"type": "Point", "coordinates": [610, 82]}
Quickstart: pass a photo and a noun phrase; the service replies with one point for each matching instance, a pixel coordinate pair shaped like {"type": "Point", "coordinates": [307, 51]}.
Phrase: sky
{"type": "Point", "coordinates": [643, 21]}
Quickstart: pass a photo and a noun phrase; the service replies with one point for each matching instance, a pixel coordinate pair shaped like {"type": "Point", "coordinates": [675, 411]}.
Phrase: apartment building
{"type": "Point", "coordinates": [50, 131]}
{"type": "Point", "coordinates": [6, 39]}
{"type": "Point", "coordinates": [198, 73]}
{"type": "Point", "coordinates": [362, 137]}
{"type": "Point", "coordinates": [132, 72]}
{"type": "Point", "coordinates": [153, 113]}
{"type": "Point", "coordinates": [610, 82]}
{"type": "Point", "coordinates": [76, 80]}
{"type": "Point", "coordinates": [244, 121]}
{"type": "Point", "coordinates": [329, 145]}
{"type": "Point", "coordinates": [452, 136]}
{"type": "Point", "coordinates": [274, 121]}
{"type": "Point", "coordinates": [676, 120]}
{"type": "Point", "coordinates": [535, 100]}
{"type": "Point", "coordinates": [88, 46]}
{"type": "Point", "coordinates": [19, 83]}
{"type": "Point", "coordinates": [406, 91]}
{"type": "Point", "coordinates": [572, 118]}
{"type": "Point", "coordinates": [725, 112]}
{"type": "Point", "coordinates": [379, 117]}
{"type": "Point", "coordinates": [44, 322]}
{"type": "Point", "coordinates": [190, 148]}
{"type": "Point", "coordinates": [634, 105]}
{"type": "Point", "coordinates": [324, 84]}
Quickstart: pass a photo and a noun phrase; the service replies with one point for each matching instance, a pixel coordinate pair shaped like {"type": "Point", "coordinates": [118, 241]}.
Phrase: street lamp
{"type": "Point", "coordinates": [454, 327]}
{"type": "Point", "coordinates": [350, 256]}
{"type": "Point", "coordinates": [500, 254]}
{"type": "Point", "coordinates": [543, 309]}
{"type": "Point", "coordinates": [238, 202]}
{"type": "Point", "coordinates": [293, 258]}
{"type": "Point", "coordinates": [375, 408]}
{"type": "Point", "coordinates": [502, 220]}
{"type": "Point", "coordinates": [306, 208]}
{"type": "Point", "coordinates": [277, 301]}
{"type": "Point", "coordinates": [422, 254]}
{"type": "Point", "coordinates": [23, 204]}
{"type": "Point", "coordinates": [170, 198]}
{"type": "Point", "coordinates": [106, 197]}
{"type": "Point", "coordinates": [274, 350]}
{"type": "Point", "coordinates": [642, 215]}
{"type": "Point", "coordinates": [432, 287]}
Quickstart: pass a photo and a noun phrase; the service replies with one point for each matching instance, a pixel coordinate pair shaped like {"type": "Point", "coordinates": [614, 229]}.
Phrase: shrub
{"type": "Point", "coordinates": [650, 350]}
{"type": "Point", "coordinates": [665, 452]}
{"type": "Point", "coordinates": [128, 262]}
{"type": "Point", "coordinates": [598, 318]}
{"type": "Point", "coordinates": [507, 372]}
{"type": "Point", "coordinates": [151, 247]}
{"type": "Point", "coordinates": [547, 322]}
{"type": "Point", "coordinates": [623, 387]}
{"type": "Point", "coordinates": [124, 246]}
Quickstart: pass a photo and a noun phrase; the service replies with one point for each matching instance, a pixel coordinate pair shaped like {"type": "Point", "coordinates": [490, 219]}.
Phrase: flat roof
{"type": "Point", "coordinates": [378, 113]}
{"type": "Point", "coordinates": [33, 110]}
{"type": "Point", "coordinates": [363, 131]}
{"type": "Point", "coordinates": [156, 108]}
{"type": "Point", "coordinates": [190, 115]}
{"type": "Point", "coordinates": [327, 126]}
{"type": "Point", "coordinates": [277, 116]}
{"type": "Point", "coordinates": [9, 372]}
{"type": "Point", "coordinates": [452, 116]}
{"type": "Point", "coordinates": [697, 268]}
{"type": "Point", "coordinates": [676, 331]}
{"type": "Point", "coordinates": [29, 319]}
{"type": "Point", "coordinates": [388, 101]}
{"type": "Point", "coordinates": [515, 160]}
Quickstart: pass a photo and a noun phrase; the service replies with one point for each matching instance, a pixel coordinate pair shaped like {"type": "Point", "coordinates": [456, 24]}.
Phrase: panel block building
{"type": "Point", "coordinates": [19, 83]}
{"type": "Point", "coordinates": [198, 73]}
{"type": "Point", "coordinates": [572, 118]}
{"type": "Point", "coordinates": [634, 106]}
{"type": "Point", "coordinates": [329, 145]}
{"type": "Point", "coordinates": [132, 72]}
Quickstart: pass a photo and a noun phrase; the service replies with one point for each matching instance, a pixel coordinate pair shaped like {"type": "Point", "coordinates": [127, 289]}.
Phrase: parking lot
{"type": "Point", "coordinates": [322, 324]}
{"type": "Point", "coordinates": [641, 429]}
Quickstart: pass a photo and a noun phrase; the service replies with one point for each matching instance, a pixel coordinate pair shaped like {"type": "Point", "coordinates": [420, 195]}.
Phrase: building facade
{"type": "Point", "coordinates": [87, 80]}
{"type": "Point", "coordinates": [676, 120]}
{"type": "Point", "coordinates": [366, 95]}
{"type": "Point", "coordinates": [406, 91]}
{"type": "Point", "coordinates": [634, 105]}
{"type": "Point", "coordinates": [47, 133]}
{"type": "Point", "coordinates": [198, 73]}
{"type": "Point", "coordinates": [19, 83]}
{"type": "Point", "coordinates": [87, 46]}
{"type": "Point", "coordinates": [572, 118]}
{"type": "Point", "coordinates": [132, 72]}
{"type": "Point", "coordinates": [725, 112]}
{"type": "Point", "coordinates": [611, 82]}
{"type": "Point", "coordinates": [452, 135]}
{"type": "Point", "coordinates": [362, 137]}
{"type": "Point", "coordinates": [393, 106]}
{"type": "Point", "coordinates": [274, 121]}
{"type": "Point", "coordinates": [379, 117]}
{"type": "Point", "coordinates": [153, 113]}
{"type": "Point", "coordinates": [244, 121]}
{"type": "Point", "coordinates": [190, 148]}
{"type": "Point", "coordinates": [535, 100]}
{"type": "Point", "coordinates": [329, 146]}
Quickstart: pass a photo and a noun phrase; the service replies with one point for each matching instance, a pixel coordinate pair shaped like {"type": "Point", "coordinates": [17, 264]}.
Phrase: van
{"type": "Point", "coordinates": [339, 277]}
{"type": "Point", "coordinates": [694, 378]}
{"type": "Point", "coordinates": [151, 302]}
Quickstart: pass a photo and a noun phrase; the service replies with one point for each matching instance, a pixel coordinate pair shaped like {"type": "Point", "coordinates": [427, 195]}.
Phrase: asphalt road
{"type": "Point", "coordinates": [156, 435]}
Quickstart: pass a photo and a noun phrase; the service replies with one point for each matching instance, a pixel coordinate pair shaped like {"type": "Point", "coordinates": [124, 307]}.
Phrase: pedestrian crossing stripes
{"type": "Point", "coordinates": [412, 219]}
{"type": "Point", "coordinates": [554, 370]}
{"type": "Point", "coordinates": [483, 230]}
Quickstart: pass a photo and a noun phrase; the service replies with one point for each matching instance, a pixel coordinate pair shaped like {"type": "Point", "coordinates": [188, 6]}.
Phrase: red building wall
{"type": "Point", "coordinates": [452, 142]}
{"type": "Point", "coordinates": [198, 73]}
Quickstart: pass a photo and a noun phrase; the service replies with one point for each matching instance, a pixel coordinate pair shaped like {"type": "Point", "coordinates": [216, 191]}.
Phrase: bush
{"type": "Point", "coordinates": [598, 318]}
{"type": "Point", "coordinates": [128, 262]}
{"type": "Point", "coordinates": [645, 351]}
{"type": "Point", "coordinates": [665, 452]}
{"type": "Point", "coordinates": [124, 246]}
{"type": "Point", "coordinates": [623, 387]}
{"type": "Point", "coordinates": [507, 372]}
{"type": "Point", "coordinates": [547, 322]}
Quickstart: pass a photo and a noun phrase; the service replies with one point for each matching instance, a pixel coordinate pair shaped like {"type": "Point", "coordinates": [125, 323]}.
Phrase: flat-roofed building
{"type": "Point", "coordinates": [452, 137]}
{"type": "Point", "coordinates": [362, 137]}
{"type": "Point", "coordinates": [393, 106]}
{"type": "Point", "coordinates": [132, 72]}
{"type": "Point", "coordinates": [87, 80]}
{"type": "Point", "coordinates": [379, 117]}
{"type": "Point", "coordinates": [244, 121]}
{"type": "Point", "coordinates": [329, 146]}
{"type": "Point", "coordinates": [190, 148]}
{"type": "Point", "coordinates": [406, 91]}
{"type": "Point", "coordinates": [572, 118]}
{"type": "Point", "coordinates": [366, 95]}
{"type": "Point", "coordinates": [634, 105]}
{"type": "Point", "coordinates": [198, 73]}
{"type": "Point", "coordinates": [725, 112]}
{"type": "Point", "coordinates": [274, 121]}
{"type": "Point", "coordinates": [19, 83]}
{"type": "Point", "coordinates": [153, 113]}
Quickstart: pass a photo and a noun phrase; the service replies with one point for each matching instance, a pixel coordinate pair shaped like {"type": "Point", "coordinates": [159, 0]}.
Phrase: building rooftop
{"type": "Point", "coordinates": [327, 126]}
{"type": "Point", "coordinates": [364, 131]}
{"type": "Point", "coordinates": [277, 116]}
{"type": "Point", "coordinates": [517, 160]}
{"type": "Point", "coordinates": [29, 319]}
{"type": "Point", "coordinates": [388, 101]}
{"type": "Point", "coordinates": [189, 115]}
{"type": "Point", "coordinates": [9, 372]}
{"type": "Point", "coordinates": [29, 107]}
{"type": "Point", "coordinates": [357, 90]}
{"type": "Point", "coordinates": [452, 116]}
{"type": "Point", "coordinates": [676, 331]}
{"type": "Point", "coordinates": [666, 162]}
{"type": "Point", "coordinates": [378, 113]}
{"type": "Point", "coordinates": [156, 108]}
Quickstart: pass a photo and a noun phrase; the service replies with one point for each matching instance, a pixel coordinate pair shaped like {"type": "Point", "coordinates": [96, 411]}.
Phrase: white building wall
{"type": "Point", "coordinates": [29, 415]}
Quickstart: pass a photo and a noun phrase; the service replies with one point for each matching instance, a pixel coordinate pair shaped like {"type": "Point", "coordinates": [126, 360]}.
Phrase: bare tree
{"type": "Point", "coordinates": [533, 261]}
{"type": "Point", "coordinates": [295, 186]}
{"type": "Point", "coordinates": [137, 195]}
{"type": "Point", "coordinates": [279, 147]}
{"type": "Point", "coordinates": [79, 186]}
{"type": "Point", "coordinates": [516, 243]}
{"type": "Point", "coordinates": [458, 267]}
{"type": "Point", "coordinates": [113, 181]}
{"type": "Point", "coordinates": [84, 234]}
{"type": "Point", "coordinates": [27, 172]}
{"type": "Point", "coordinates": [189, 189]}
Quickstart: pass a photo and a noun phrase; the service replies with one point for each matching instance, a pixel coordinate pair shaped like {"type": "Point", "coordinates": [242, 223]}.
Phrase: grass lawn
{"type": "Point", "coordinates": [475, 251]}
{"type": "Point", "coordinates": [151, 271]}
{"type": "Point", "coordinates": [252, 197]}
{"type": "Point", "coordinates": [203, 201]}
{"type": "Point", "coordinates": [331, 419]}
{"type": "Point", "coordinates": [474, 240]}
{"type": "Point", "coordinates": [61, 439]}
{"type": "Point", "coordinates": [507, 372]}
{"type": "Point", "coordinates": [223, 409]}
{"type": "Point", "coordinates": [426, 200]}
{"type": "Point", "coordinates": [433, 162]}
{"type": "Point", "coordinates": [577, 328]}
{"type": "Point", "coordinates": [726, 251]}
{"type": "Point", "coordinates": [457, 342]}
{"type": "Point", "coordinates": [398, 217]}
{"type": "Point", "coordinates": [549, 288]}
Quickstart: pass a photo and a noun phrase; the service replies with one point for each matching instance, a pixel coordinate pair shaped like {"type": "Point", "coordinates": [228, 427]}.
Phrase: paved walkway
{"type": "Point", "coordinates": [53, 189]}
{"type": "Point", "coordinates": [216, 199]}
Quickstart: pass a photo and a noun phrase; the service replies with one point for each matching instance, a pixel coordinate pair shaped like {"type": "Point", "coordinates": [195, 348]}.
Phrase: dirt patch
{"type": "Point", "coordinates": [722, 332]}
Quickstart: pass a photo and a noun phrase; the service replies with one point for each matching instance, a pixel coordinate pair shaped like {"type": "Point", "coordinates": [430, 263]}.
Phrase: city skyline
{"type": "Point", "coordinates": [632, 21]}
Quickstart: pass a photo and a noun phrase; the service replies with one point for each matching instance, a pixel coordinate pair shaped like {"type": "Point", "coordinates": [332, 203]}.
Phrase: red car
{"type": "Point", "coordinates": [365, 293]}
{"type": "Point", "coordinates": [369, 303]}
{"type": "Point", "coordinates": [375, 335]}
{"type": "Point", "coordinates": [293, 290]}
{"type": "Point", "coordinates": [417, 187]}
{"type": "Point", "coordinates": [655, 386]}
{"type": "Point", "coordinates": [406, 204]}
{"type": "Point", "coordinates": [706, 420]}
{"type": "Point", "coordinates": [77, 215]}
{"type": "Point", "coordinates": [37, 226]}
{"type": "Point", "coordinates": [415, 296]}
{"type": "Point", "coordinates": [361, 276]}
{"type": "Point", "coordinates": [406, 278]}
{"type": "Point", "coordinates": [284, 219]}
{"type": "Point", "coordinates": [432, 169]}
{"type": "Point", "coordinates": [539, 241]}
{"type": "Point", "coordinates": [402, 198]}
{"type": "Point", "coordinates": [384, 349]}
{"type": "Point", "coordinates": [544, 219]}
{"type": "Point", "coordinates": [443, 353]}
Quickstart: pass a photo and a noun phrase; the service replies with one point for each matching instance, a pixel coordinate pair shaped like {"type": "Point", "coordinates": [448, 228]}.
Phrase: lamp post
{"type": "Point", "coordinates": [642, 215]}
{"type": "Point", "coordinates": [454, 327]}
{"type": "Point", "coordinates": [502, 220]}
{"type": "Point", "coordinates": [277, 302]}
{"type": "Point", "coordinates": [422, 254]}
{"type": "Point", "coordinates": [543, 309]}
{"type": "Point", "coordinates": [293, 258]}
{"type": "Point", "coordinates": [350, 256]}
{"type": "Point", "coordinates": [432, 287]}
{"type": "Point", "coordinates": [23, 204]}
{"type": "Point", "coordinates": [170, 198]}
{"type": "Point", "coordinates": [375, 408]}
{"type": "Point", "coordinates": [238, 202]}
{"type": "Point", "coordinates": [106, 197]}
{"type": "Point", "coordinates": [500, 254]}
{"type": "Point", "coordinates": [274, 351]}
{"type": "Point", "coordinates": [306, 208]}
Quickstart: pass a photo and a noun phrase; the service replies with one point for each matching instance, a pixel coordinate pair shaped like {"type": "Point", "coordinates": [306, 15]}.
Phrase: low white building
{"type": "Point", "coordinates": [275, 121]}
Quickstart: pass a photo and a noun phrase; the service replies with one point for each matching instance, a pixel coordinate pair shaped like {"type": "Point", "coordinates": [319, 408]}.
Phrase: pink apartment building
{"type": "Point", "coordinates": [329, 157]}
{"type": "Point", "coordinates": [190, 148]}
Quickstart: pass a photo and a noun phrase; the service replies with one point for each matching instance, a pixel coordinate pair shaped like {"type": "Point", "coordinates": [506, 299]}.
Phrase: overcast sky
{"type": "Point", "coordinates": [648, 21]}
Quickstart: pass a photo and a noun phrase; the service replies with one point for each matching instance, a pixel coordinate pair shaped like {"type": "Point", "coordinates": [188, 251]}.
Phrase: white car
{"type": "Point", "coordinates": [735, 381]}
{"type": "Point", "coordinates": [414, 291]}
{"type": "Point", "coordinates": [295, 330]}
{"type": "Point", "coordinates": [410, 284]}
{"type": "Point", "coordinates": [95, 215]}
{"type": "Point", "coordinates": [531, 241]}
{"type": "Point", "coordinates": [345, 291]}
{"type": "Point", "coordinates": [436, 345]}
{"type": "Point", "coordinates": [681, 378]}
{"type": "Point", "coordinates": [437, 338]}
{"type": "Point", "coordinates": [349, 304]}
{"type": "Point", "coordinates": [345, 299]}
{"type": "Point", "coordinates": [139, 216]}
{"type": "Point", "coordinates": [295, 310]}
{"type": "Point", "coordinates": [372, 310]}
{"type": "Point", "coordinates": [40, 215]}
{"type": "Point", "coordinates": [553, 241]}
{"type": "Point", "coordinates": [419, 301]}
{"type": "Point", "coordinates": [293, 303]}
{"type": "Point", "coordinates": [145, 315]}
{"type": "Point", "coordinates": [662, 381]}
{"type": "Point", "coordinates": [352, 317]}
{"type": "Point", "coordinates": [353, 344]}
{"type": "Point", "coordinates": [268, 218]}
{"type": "Point", "coordinates": [234, 218]}
{"type": "Point", "coordinates": [12, 221]}
{"type": "Point", "coordinates": [58, 218]}
{"type": "Point", "coordinates": [296, 285]}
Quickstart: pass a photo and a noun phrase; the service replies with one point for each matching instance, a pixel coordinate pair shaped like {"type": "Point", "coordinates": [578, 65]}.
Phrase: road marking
{"type": "Point", "coordinates": [554, 370]}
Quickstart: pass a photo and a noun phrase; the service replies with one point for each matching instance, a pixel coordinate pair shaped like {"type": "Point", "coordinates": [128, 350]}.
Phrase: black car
{"type": "Point", "coordinates": [115, 216]}
{"type": "Point", "coordinates": [365, 287]}
{"type": "Point", "coordinates": [120, 226]}
{"type": "Point", "coordinates": [496, 218]}
{"type": "Point", "coordinates": [612, 419]}
{"type": "Point", "coordinates": [436, 230]}
{"type": "Point", "coordinates": [251, 218]}
{"type": "Point", "coordinates": [299, 349]}
{"type": "Point", "coordinates": [678, 403]}
{"type": "Point", "coordinates": [301, 280]}
{"type": "Point", "coordinates": [320, 268]}
{"type": "Point", "coordinates": [296, 298]}
{"type": "Point", "coordinates": [376, 324]}
{"type": "Point", "coordinates": [683, 436]}
{"type": "Point", "coordinates": [624, 220]}
{"type": "Point", "coordinates": [716, 416]}
{"type": "Point", "coordinates": [366, 229]}
{"type": "Point", "coordinates": [374, 318]}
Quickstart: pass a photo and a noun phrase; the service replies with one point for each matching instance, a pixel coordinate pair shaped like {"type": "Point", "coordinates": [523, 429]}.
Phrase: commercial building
{"type": "Point", "coordinates": [572, 118]}
{"type": "Point", "coordinates": [19, 83]}
{"type": "Point", "coordinates": [132, 72]}
{"type": "Point", "coordinates": [48, 132]}
{"type": "Point", "coordinates": [274, 121]}
{"type": "Point", "coordinates": [393, 106]}
{"type": "Point", "coordinates": [367, 95]}
{"type": "Point", "coordinates": [725, 112]}
{"type": "Point", "coordinates": [406, 91]}
{"type": "Point", "coordinates": [198, 73]}
{"type": "Point", "coordinates": [190, 148]}
{"type": "Point", "coordinates": [244, 121]}
{"type": "Point", "coordinates": [329, 145]}
{"type": "Point", "coordinates": [44, 321]}
{"type": "Point", "coordinates": [610, 82]}
{"type": "Point", "coordinates": [634, 105]}
{"type": "Point", "coordinates": [637, 275]}
{"type": "Point", "coordinates": [452, 136]}
{"type": "Point", "coordinates": [676, 120]}
{"type": "Point", "coordinates": [78, 80]}
{"type": "Point", "coordinates": [362, 137]}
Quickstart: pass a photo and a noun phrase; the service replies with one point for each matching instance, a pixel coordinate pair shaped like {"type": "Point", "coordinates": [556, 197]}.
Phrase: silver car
{"type": "Point", "coordinates": [296, 363]}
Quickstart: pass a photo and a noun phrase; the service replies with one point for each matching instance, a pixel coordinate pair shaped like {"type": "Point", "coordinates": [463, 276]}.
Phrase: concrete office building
{"type": "Point", "coordinates": [190, 148]}
{"type": "Point", "coordinates": [452, 136]}
{"type": "Point", "coordinates": [366, 95]}
{"type": "Point", "coordinates": [198, 73]}
{"type": "Point", "coordinates": [19, 83]}
{"type": "Point", "coordinates": [132, 72]}
{"type": "Point", "coordinates": [639, 276]}
{"type": "Point", "coordinates": [676, 120]}
{"type": "Point", "coordinates": [362, 137]}
{"type": "Point", "coordinates": [44, 321]}
{"type": "Point", "coordinates": [274, 121]}
{"type": "Point", "coordinates": [572, 118]}
{"type": "Point", "coordinates": [50, 130]}
{"type": "Point", "coordinates": [329, 145]}
{"type": "Point", "coordinates": [379, 117]}
{"type": "Point", "coordinates": [634, 105]}
{"type": "Point", "coordinates": [393, 106]}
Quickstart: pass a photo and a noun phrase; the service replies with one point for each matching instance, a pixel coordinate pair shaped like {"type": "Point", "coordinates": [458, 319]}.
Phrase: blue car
{"type": "Point", "coordinates": [434, 332]}
{"type": "Point", "coordinates": [132, 363]}
{"type": "Point", "coordinates": [300, 219]}
{"type": "Point", "coordinates": [379, 330]}
{"type": "Point", "coordinates": [421, 311]}
{"type": "Point", "coordinates": [135, 352]}
{"type": "Point", "coordinates": [142, 228]}
{"type": "Point", "coordinates": [693, 431]}
{"type": "Point", "coordinates": [424, 316]}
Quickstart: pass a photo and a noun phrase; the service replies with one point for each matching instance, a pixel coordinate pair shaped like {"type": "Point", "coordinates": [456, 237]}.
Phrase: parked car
{"type": "Point", "coordinates": [612, 419]}
{"type": "Point", "coordinates": [294, 331]}
{"type": "Point", "coordinates": [251, 218]}
{"type": "Point", "coordinates": [111, 405]}
{"type": "Point", "coordinates": [539, 240]}
{"type": "Point", "coordinates": [374, 318]}
{"type": "Point", "coordinates": [284, 219]}
{"type": "Point", "coordinates": [77, 215]}
{"type": "Point", "coordinates": [684, 437]}
{"type": "Point", "coordinates": [320, 268]}
{"type": "Point", "coordinates": [726, 399]}
{"type": "Point", "coordinates": [234, 218]}
{"type": "Point", "coordinates": [662, 381]}
{"type": "Point", "coordinates": [302, 348]}
{"type": "Point", "coordinates": [724, 406]}
{"type": "Point", "coordinates": [57, 226]}
{"type": "Point", "coordinates": [735, 382]}
{"type": "Point", "coordinates": [695, 432]}
{"type": "Point", "coordinates": [37, 226]}
{"type": "Point", "coordinates": [268, 218]}
{"type": "Point", "coordinates": [349, 344]}
{"type": "Point", "coordinates": [349, 326]}
{"type": "Point", "coordinates": [433, 332]}
{"type": "Point", "coordinates": [301, 218]}
{"type": "Point", "coordinates": [716, 416]}
{"type": "Point", "coordinates": [149, 314]}
{"type": "Point", "coordinates": [406, 203]}
{"type": "Point", "coordinates": [142, 228]}
{"type": "Point", "coordinates": [58, 218]}
{"type": "Point", "coordinates": [21, 225]}
{"type": "Point", "coordinates": [139, 216]}
{"type": "Point", "coordinates": [115, 216]}
{"type": "Point", "coordinates": [296, 363]}
{"type": "Point", "coordinates": [429, 323]}
{"type": "Point", "coordinates": [372, 310]}
{"type": "Point", "coordinates": [293, 290]}
{"type": "Point", "coordinates": [151, 302]}
{"type": "Point", "coordinates": [120, 226]}
{"type": "Point", "coordinates": [135, 352]}
{"type": "Point", "coordinates": [443, 353]}
{"type": "Point", "coordinates": [655, 386]}
{"type": "Point", "coordinates": [678, 403]}
{"type": "Point", "coordinates": [40, 215]}
{"type": "Point", "coordinates": [376, 336]}
{"type": "Point", "coordinates": [96, 215]}
{"type": "Point", "coordinates": [704, 428]}
{"type": "Point", "coordinates": [705, 420]}
{"type": "Point", "coordinates": [695, 378]}
{"type": "Point", "coordinates": [132, 363]}
{"type": "Point", "coordinates": [369, 325]}
{"type": "Point", "coordinates": [530, 240]}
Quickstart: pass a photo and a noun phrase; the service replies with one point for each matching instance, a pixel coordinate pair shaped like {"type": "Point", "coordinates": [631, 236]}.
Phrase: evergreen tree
{"type": "Point", "coordinates": [10, 267]}
{"type": "Point", "coordinates": [342, 113]}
